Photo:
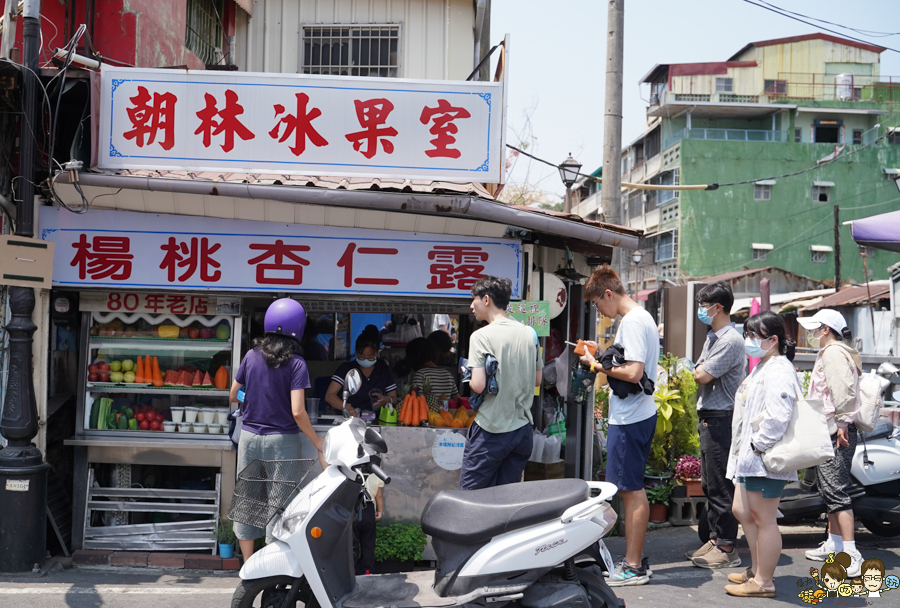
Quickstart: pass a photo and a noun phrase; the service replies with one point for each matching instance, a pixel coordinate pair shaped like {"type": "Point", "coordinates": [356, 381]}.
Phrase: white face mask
{"type": "Point", "coordinates": [365, 362]}
{"type": "Point", "coordinates": [811, 338]}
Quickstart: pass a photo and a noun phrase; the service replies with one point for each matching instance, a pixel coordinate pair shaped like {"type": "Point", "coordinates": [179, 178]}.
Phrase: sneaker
{"type": "Point", "coordinates": [826, 547]}
{"type": "Point", "coordinates": [706, 548]}
{"type": "Point", "coordinates": [717, 558]}
{"type": "Point", "coordinates": [645, 564]}
{"type": "Point", "coordinates": [855, 568]}
{"type": "Point", "coordinates": [627, 576]}
{"type": "Point", "coordinates": [739, 578]}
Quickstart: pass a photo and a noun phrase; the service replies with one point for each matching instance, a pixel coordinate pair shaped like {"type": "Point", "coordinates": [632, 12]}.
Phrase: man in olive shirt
{"type": "Point", "coordinates": [499, 442]}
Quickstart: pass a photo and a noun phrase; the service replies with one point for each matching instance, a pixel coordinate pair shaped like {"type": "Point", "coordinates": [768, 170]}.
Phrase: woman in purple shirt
{"type": "Point", "coordinates": [274, 411]}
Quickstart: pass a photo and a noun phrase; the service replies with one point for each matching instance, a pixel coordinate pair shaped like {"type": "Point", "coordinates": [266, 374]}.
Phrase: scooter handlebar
{"type": "Point", "coordinates": [376, 470]}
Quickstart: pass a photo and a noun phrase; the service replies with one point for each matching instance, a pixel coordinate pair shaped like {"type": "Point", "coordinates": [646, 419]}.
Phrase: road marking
{"type": "Point", "coordinates": [114, 590]}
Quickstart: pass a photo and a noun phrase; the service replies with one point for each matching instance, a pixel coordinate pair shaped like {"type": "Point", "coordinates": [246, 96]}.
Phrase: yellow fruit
{"type": "Point", "coordinates": [167, 331]}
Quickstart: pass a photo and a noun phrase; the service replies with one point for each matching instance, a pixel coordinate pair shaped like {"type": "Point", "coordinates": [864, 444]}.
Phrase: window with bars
{"type": "Point", "coordinates": [667, 246]}
{"type": "Point", "coordinates": [203, 29]}
{"type": "Point", "coordinates": [724, 85]}
{"type": "Point", "coordinates": [762, 192]}
{"type": "Point", "coordinates": [352, 50]}
{"type": "Point", "coordinates": [818, 257]}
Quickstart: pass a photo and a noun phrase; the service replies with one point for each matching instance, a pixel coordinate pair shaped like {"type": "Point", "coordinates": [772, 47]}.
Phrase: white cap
{"type": "Point", "coordinates": [826, 316]}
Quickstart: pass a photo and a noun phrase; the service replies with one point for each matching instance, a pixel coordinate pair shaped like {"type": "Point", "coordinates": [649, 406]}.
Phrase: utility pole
{"type": "Point", "coordinates": [837, 249]}
{"type": "Point", "coordinates": [611, 197]}
{"type": "Point", "coordinates": [23, 472]}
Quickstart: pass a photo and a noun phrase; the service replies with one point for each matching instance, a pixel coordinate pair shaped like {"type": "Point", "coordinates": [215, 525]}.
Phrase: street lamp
{"type": "Point", "coordinates": [637, 256]}
{"type": "Point", "coordinates": [568, 172]}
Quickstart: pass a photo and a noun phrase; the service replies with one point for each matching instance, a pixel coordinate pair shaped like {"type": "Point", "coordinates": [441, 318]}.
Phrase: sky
{"type": "Point", "coordinates": [557, 59]}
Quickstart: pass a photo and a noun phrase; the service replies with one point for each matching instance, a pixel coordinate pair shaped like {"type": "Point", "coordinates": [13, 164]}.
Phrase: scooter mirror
{"type": "Point", "coordinates": [352, 383]}
{"type": "Point", "coordinates": [376, 441]}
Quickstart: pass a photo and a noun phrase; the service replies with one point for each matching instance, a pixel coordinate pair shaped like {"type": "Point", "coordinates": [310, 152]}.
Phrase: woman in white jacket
{"type": "Point", "coordinates": [835, 380]}
{"type": "Point", "coordinates": [766, 399]}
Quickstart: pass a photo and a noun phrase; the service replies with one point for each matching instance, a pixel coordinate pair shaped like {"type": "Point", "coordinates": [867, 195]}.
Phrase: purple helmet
{"type": "Point", "coordinates": [286, 317]}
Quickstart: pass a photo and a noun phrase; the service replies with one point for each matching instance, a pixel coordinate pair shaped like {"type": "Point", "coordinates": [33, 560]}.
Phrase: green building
{"type": "Point", "coordinates": [775, 108]}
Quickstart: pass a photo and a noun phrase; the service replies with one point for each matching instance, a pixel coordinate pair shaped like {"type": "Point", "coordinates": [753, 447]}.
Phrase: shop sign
{"type": "Point", "coordinates": [153, 303]}
{"type": "Point", "coordinates": [301, 124]}
{"type": "Point", "coordinates": [532, 314]}
{"type": "Point", "coordinates": [144, 251]}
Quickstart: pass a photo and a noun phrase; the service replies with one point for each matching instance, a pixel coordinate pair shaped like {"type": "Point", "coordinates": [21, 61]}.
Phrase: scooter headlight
{"type": "Point", "coordinates": [291, 523]}
{"type": "Point", "coordinates": [326, 447]}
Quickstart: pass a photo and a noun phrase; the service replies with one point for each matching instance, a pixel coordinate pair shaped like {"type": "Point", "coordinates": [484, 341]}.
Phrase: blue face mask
{"type": "Point", "coordinates": [703, 315]}
{"type": "Point", "coordinates": [365, 362]}
{"type": "Point", "coordinates": [754, 348]}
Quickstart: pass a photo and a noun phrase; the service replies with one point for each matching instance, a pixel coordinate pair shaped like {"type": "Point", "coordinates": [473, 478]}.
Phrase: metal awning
{"type": "Point", "coordinates": [825, 248]}
{"type": "Point", "coordinates": [644, 294]}
{"type": "Point", "coordinates": [823, 183]}
{"type": "Point", "coordinates": [466, 206]}
{"type": "Point", "coordinates": [871, 111]}
{"type": "Point", "coordinates": [765, 182]}
{"type": "Point", "coordinates": [766, 246]}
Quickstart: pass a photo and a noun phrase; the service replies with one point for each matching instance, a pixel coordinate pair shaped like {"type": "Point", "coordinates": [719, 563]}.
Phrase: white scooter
{"type": "Point", "coordinates": [536, 543]}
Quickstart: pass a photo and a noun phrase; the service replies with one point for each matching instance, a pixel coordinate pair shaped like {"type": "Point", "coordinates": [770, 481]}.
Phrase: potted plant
{"type": "Point", "coordinates": [398, 547]}
{"type": "Point", "coordinates": [226, 538]}
{"type": "Point", "coordinates": [687, 472]}
{"type": "Point", "coordinates": [676, 421]}
{"type": "Point", "coordinates": [658, 495]}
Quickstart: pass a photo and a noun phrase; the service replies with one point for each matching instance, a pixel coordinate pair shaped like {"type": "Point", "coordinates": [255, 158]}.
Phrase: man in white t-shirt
{"type": "Point", "coordinates": [632, 420]}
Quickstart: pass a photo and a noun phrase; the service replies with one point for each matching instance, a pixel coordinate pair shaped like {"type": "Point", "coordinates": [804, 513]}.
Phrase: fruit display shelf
{"type": "Point", "coordinates": [125, 387]}
{"type": "Point", "coordinates": [159, 343]}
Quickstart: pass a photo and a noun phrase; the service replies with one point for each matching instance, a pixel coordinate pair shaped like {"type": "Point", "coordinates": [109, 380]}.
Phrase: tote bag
{"type": "Point", "coordinates": [806, 442]}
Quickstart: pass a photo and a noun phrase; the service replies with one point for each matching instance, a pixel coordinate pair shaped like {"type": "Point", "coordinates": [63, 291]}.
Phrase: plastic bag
{"type": "Point", "coordinates": [551, 449]}
{"type": "Point", "coordinates": [558, 426]}
{"type": "Point", "coordinates": [537, 447]}
{"type": "Point", "coordinates": [549, 373]}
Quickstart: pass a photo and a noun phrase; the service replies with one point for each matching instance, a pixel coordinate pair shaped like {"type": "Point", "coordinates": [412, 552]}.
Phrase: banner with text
{"type": "Point", "coordinates": [301, 124]}
{"type": "Point", "coordinates": [150, 251]}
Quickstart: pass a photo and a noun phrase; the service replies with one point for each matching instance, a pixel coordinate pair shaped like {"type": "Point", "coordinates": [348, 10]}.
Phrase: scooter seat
{"type": "Point", "coordinates": [473, 516]}
{"type": "Point", "coordinates": [883, 428]}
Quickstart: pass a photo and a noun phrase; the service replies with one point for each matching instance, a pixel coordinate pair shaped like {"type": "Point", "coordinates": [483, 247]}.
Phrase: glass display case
{"type": "Point", "coordinates": [147, 375]}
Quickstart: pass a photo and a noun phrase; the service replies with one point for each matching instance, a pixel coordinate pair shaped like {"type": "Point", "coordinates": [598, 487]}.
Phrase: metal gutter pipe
{"type": "Point", "coordinates": [464, 206]}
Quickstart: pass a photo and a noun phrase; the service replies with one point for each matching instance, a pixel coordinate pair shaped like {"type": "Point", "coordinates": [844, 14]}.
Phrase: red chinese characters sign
{"type": "Point", "coordinates": [292, 123]}
{"type": "Point", "coordinates": [148, 251]}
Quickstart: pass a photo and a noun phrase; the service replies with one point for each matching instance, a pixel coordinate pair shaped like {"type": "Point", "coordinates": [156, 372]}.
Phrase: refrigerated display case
{"type": "Point", "coordinates": [157, 376]}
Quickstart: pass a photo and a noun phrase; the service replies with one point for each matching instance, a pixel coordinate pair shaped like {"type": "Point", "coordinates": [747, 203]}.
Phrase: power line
{"type": "Point", "coordinates": [778, 12]}
{"type": "Point", "coordinates": [845, 27]}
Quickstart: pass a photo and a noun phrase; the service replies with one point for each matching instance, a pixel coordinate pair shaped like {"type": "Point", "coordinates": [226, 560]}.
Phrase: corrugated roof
{"type": "Point", "coordinates": [817, 36]}
{"type": "Point", "coordinates": [422, 186]}
{"type": "Point", "coordinates": [737, 274]}
{"type": "Point", "coordinates": [577, 218]}
{"type": "Point", "coordinates": [849, 296]}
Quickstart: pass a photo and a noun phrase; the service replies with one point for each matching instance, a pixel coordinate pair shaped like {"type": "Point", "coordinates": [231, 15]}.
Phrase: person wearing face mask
{"type": "Point", "coordinates": [378, 385]}
{"type": "Point", "coordinates": [763, 407]}
{"type": "Point", "coordinates": [835, 380]}
{"type": "Point", "coordinates": [719, 371]}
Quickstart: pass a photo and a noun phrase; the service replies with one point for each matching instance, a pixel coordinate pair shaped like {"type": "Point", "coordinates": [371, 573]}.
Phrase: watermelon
{"type": "Point", "coordinates": [207, 381]}
{"type": "Point", "coordinates": [198, 379]}
{"type": "Point", "coordinates": [186, 379]}
{"type": "Point", "coordinates": [172, 377]}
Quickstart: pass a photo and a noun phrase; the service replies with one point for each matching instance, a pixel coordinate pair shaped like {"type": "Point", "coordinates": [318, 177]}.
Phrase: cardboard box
{"type": "Point", "coordinates": [539, 470]}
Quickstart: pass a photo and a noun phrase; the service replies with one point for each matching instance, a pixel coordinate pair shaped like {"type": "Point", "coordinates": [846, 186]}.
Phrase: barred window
{"type": "Point", "coordinates": [352, 50]}
{"type": "Point", "coordinates": [203, 29]}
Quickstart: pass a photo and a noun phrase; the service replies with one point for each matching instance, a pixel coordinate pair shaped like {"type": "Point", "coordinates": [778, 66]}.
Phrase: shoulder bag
{"type": "Point", "coordinates": [806, 441]}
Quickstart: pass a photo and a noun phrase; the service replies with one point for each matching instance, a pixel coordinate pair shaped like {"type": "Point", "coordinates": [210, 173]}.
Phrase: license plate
{"type": "Point", "coordinates": [607, 558]}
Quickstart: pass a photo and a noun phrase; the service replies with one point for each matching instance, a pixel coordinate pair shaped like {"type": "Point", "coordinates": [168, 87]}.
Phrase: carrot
{"type": "Point", "coordinates": [423, 409]}
{"type": "Point", "coordinates": [157, 374]}
{"type": "Point", "coordinates": [139, 370]}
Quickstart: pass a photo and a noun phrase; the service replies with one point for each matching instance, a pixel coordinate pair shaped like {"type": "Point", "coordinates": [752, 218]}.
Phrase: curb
{"type": "Point", "coordinates": [92, 558]}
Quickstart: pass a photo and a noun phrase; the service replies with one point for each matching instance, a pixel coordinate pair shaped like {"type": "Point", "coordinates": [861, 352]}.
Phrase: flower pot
{"type": "Point", "coordinates": [658, 513]}
{"type": "Point", "coordinates": [653, 479]}
{"type": "Point", "coordinates": [693, 488]}
{"type": "Point", "coordinates": [226, 551]}
{"type": "Point", "coordinates": [679, 492]}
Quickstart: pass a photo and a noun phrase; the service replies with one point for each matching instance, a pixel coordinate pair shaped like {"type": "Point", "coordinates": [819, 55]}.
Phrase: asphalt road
{"type": "Point", "coordinates": [675, 582]}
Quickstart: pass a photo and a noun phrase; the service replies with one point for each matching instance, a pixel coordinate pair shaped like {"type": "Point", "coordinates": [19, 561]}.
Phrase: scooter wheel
{"type": "Point", "coordinates": [273, 590]}
{"type": "Point", "coordinates": [880, 529]}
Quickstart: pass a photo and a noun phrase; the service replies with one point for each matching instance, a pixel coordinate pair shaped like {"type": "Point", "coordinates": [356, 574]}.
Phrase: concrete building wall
{"type": "Point", "coordinates": [717, 227]}
{"type": "Point", "coordinates": [436, 36]}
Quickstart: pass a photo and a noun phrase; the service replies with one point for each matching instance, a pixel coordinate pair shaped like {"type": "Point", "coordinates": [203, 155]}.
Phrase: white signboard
{"type": "Point", "coordinates": [153, 251]}
{"type": "Point", "coordinates": [448, 450]}
{"type": "Point", "coordinates": [301, 124]}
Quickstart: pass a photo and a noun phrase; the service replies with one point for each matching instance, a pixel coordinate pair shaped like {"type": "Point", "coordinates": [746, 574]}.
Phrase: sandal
{"type": "Point", "coordinates": [748, 589]}
{"type": "Point", "coordinates": [739, 578]}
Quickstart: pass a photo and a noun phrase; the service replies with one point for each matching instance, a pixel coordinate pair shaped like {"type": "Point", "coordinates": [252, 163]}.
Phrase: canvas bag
{"type": "Point", "coordinates": [870, 400]}
{"type": "Point", "coordinates": [806, 441]}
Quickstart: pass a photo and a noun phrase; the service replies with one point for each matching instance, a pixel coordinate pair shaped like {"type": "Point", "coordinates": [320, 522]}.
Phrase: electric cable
{"type": "Point", "coordinates": [778, 12]}
{"type": "Point", "coordinates": [845, 27]}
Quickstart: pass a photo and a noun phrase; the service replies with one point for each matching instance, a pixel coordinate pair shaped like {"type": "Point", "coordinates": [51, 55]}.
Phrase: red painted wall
{"type": "Point", "coordinates": [143, 33]}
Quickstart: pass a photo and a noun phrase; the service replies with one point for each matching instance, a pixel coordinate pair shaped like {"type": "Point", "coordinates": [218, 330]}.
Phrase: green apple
{"type": "Point", "coordinates": [129, 377]}
{"type": "Point", "coordinates": [116, 377]}
{"type": "Point", "coordinates": [115, 366]}
{"type": "Point", "coordinates": [127, 365]}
